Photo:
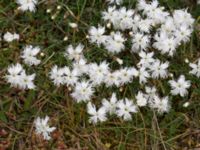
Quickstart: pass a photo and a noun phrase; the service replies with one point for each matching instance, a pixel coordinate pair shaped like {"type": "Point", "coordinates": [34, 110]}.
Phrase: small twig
{"type": "Point", "coordinates": [72, 14]}
{"type": "Point", "coordinates": [162, 141]}
{"type": "Point", "coordinates": [12, 129]}
{"type": "Point", "coordinates": [48, 58]}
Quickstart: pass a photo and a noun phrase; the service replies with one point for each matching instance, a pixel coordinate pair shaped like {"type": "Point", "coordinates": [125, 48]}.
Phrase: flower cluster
{"type": "Point", "coordinates": [172, 31]}
{"type": "Point", "coordinates": [17, 77]}
{"type": "Point", "coordinates": [84, 77]}
{"type": "Point", "coordinates": [152, 31]}
{"type": "Point", "coordinates": [125, 107]}
{"type": "Point", "coordinates": [122, 108]}
{"type": "Point", "coordinates": [9, 37]}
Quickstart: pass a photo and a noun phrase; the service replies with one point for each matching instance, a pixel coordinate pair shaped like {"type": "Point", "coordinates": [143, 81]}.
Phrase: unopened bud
{"type": "Point", "coordinates": [87, 37]}
{"type": "Point", "coordinates": [48, 10]}
{"type": "Point", "coordinates": [171, 75]}
{"type": "Point", "coordinates": [42, 54]}
{"type": "Point", "coordinates": [65, 38]}
{"type": "Point", "coordinates": [53, 17]}
{"type": "Point", "coordinates": [108, 25]}
{"type": "Point", "coordinates": [59, 7]}
{"type": "Point", "coordinates": [73, 25]}
{"type": "Point", "coordinates": [131, 33]}
{"type": "Point", "coordinates": [120, 61]}
{"type": "Point", "coordinates": [186, 61]}
{"type": "Point", "coordinates": [69, 88]}
{"type": "Point", "coordinates": [186, 104]}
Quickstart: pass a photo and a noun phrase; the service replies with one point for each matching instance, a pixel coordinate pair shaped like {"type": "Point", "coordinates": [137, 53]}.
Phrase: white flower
{"type": "Point", "coordinates": [111, 105]}
{"type": "Point", "coordinates": [81, 66]}
{"type": "Point", "coordinates": [125, 108]}
{"type": "Point", "coordinates": [56, 74]}
{"type": "Point", "coordinates": [149, 8]}
{"type": "Point", "coordinates": [141, 99]}
{"type": "Point", "coordinates": [143, 75]}
{"type": "Point", "coordinates": [27, 5]}
{"type": "Point", "coordinates": [195, 68]}
{"type": "Point", "coordinates": [146, 59]}
{"type": "Point", "coordinates": [168, 26]}
{"type": "Point", "coordinates": [97, 35]}
{"type": "Point", "coordinates": [75, 53]}
{"type": "Point", "coordinates": [115, 42]}
{"type": "Point", "coordinates": [111, 15]}
{"type": "Point", "coordinates": [118, 2]}
{"type": "Point", "coordinates": [151, 92]}
{"type": "Point", "coordinates": [126, 75]}
{"type": "Point", "coordinates": [14, 74]}
{"type": "Point", "coordinates": [180, 86]}
{"type": "Point", "coordinates": [82, 91]}
{"type": "Point", "coordinates": [27, 81]}
{"type": "Point", "coordinates": [160, 104]}
{"type": "Point", "coordinates": [112, 78]}
{"type": "Point", "coordinates": [140, 42]}
{"type": "Point", "coordinates": [156, 13]}
{"type": "Point", "coordinates": [9, 37]}
{"type": "Point", "coordinates": [135, 26]}
{"type": "Point", "coordinates": [42, 127]}
{"type": "Point", "coordinates": [96, 115]}
{"type": "Point", "coordinates": [182, 17]}
{"type": "Point", "coordinates": [153, 11]}
{"type": "Point", "coordinates": [29, 55]}
{"type": "Point", "coordinates": [144, 25]}
{"type": "Point", "coordinates": [126, 19]}
{"type": "Point", "coordinates": [97, 73]}
{"type": "Point", "coordinates": [183, 33]}
{"type": "Point", "coordinates": [142, 5]}
{"type": "Point", "coordinates": [159, 69]}
{"type": "Point", "coordinates": [70, 77]}
{"type": "Point", "coordinates": [164, 43]}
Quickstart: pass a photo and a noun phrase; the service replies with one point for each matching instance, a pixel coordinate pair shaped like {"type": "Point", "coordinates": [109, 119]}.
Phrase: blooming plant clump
{"type": "Point", "coordinates": [171, 31]}
{"type": "Point", "coordinates": [146, 33]}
